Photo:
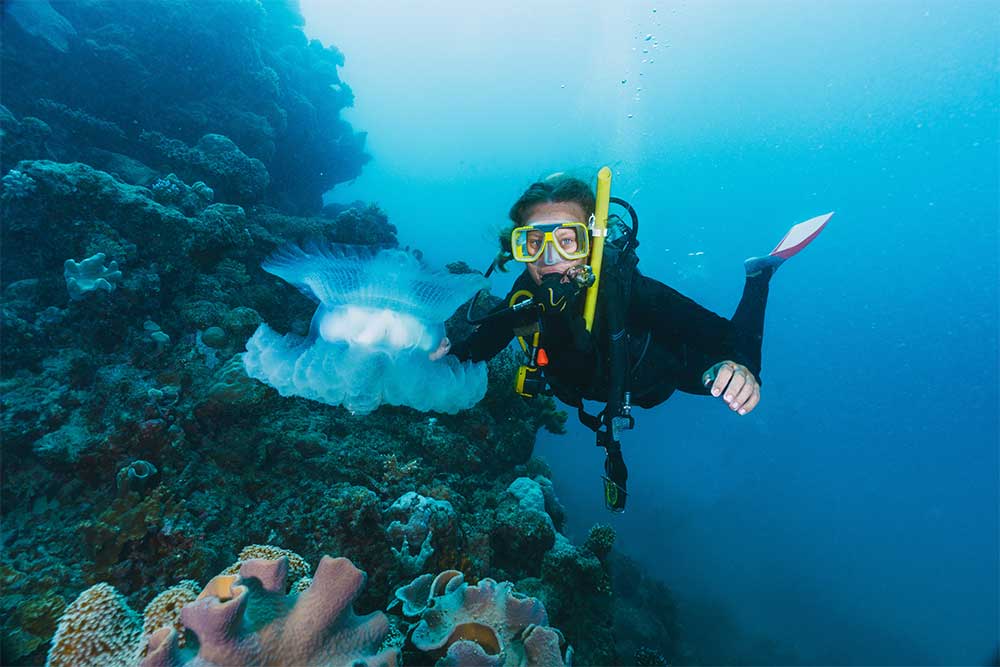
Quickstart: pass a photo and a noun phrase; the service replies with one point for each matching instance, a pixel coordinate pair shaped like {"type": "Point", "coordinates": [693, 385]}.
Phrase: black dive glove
{"type": "Point", "coordinates": [554, 295]}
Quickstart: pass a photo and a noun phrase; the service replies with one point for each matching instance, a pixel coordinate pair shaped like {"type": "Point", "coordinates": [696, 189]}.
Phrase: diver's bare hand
{"type": "Point", "coordinates": [735, 384]}
{"type": "Point", "coordinates": [443, 348]}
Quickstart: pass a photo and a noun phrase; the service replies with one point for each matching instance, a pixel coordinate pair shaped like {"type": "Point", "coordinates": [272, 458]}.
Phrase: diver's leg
{"type": "Point", "coordinates": [748, 320]}
{"type": "Point", "coordinates": [797, 238]}
{"type": "Point", "coordinates": [749, 316]}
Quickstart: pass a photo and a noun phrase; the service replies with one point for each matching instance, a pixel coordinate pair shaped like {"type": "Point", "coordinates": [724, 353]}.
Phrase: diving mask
{"type": "Point", "coordinates": [555, 241]}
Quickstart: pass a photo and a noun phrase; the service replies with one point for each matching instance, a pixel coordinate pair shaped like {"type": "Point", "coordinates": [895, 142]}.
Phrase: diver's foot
{"type": "Point", "coordinates": [762, 266]}
{"type": "Point", "coordinates": [797, 238]}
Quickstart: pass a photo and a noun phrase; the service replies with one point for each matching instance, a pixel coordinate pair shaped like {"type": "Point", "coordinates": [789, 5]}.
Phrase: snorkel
{"type": "Point", "coordinates": [598, 232]}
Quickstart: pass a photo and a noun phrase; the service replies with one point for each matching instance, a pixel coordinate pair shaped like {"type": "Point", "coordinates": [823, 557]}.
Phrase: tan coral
{"type": "Point", "coordinates": [220, 586]}
{"type": "Point", "coordinates": [165, 609]}
{"type": "Point", "coordinates": [297, 565]}
{"type": "Point", "coordinates": [98, 629]}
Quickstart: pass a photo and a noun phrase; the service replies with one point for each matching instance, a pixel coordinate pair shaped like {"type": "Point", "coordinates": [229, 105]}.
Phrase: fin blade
{"type": "Point", "coordinates": [801, 235]}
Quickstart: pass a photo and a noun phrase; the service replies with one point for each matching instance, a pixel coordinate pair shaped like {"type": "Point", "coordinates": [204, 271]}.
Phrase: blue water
{"type": "Point", "coordinates": [854, 515]}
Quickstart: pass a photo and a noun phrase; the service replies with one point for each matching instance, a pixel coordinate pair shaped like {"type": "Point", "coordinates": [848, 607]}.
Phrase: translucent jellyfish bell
{"type": "Point", "coordinates": [380, 314]}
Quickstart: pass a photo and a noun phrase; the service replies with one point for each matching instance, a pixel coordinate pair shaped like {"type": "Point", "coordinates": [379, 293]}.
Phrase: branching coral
{"type": "Point", "coordinates": [215, 159]}
{"type": "Point", "coordinates": [600, 539]}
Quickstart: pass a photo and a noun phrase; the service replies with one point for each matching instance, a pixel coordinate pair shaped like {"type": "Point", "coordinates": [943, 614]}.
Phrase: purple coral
{"type": "Point", "coordinates": [247, 619]}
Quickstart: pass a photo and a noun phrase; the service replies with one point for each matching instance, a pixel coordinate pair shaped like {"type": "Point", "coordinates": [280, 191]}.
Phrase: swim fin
{"type": "Point", "coordinates": [797, 238]}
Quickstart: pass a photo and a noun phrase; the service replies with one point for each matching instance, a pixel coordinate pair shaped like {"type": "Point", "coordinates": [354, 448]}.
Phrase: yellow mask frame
{"type": "Point", "coordinates": [569, 239]}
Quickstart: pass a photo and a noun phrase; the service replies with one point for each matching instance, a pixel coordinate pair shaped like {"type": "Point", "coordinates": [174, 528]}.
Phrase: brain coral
{"type": "Point", "coordinates": [97, 629]}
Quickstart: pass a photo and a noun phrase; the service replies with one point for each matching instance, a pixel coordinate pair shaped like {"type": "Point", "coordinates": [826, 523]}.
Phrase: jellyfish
{"type": "Point", "coordinates": [380, 314]}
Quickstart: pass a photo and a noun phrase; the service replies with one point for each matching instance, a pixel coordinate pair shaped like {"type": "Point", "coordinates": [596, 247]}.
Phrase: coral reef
{"type": "Point", "coordinates": [136, 449]}
{"type": "Point", "coordinates": [253, 110]}
{"type": "Point", "coordinates": [39, 19]}
{"type": "Point", "coordinates": [237, 619]}
{"type": "Point", "coordinates": [235, 176]}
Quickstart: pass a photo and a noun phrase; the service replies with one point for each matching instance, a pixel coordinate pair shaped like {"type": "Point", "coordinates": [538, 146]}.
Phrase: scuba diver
{"type": "Point", "coordinates": [645, 341]}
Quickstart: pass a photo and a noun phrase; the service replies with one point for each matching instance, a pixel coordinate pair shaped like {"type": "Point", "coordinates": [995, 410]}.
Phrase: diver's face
{"type": "Point", "coordinates": [565, 211]}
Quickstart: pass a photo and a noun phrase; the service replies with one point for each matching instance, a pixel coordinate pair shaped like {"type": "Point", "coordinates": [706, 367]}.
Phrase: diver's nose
{"type": "Point", "coordinates": [551, 256]}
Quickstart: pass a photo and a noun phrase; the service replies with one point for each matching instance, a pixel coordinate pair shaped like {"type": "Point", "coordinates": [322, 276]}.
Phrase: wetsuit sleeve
{"type": "Point", "coordinates": [492, 336]}
{"type": "Point", "coordinates": [487, 340]}
{"type": "Point", "coordinates": [698, 337]}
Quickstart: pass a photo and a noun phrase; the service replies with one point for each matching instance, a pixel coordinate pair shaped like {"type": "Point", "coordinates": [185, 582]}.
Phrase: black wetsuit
{"type": "Point", "coordinates": [672, 341]}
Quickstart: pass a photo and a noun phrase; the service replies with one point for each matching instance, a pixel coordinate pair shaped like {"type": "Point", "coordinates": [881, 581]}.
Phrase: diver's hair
{"type": "Point", "coordinates": [556, 188]}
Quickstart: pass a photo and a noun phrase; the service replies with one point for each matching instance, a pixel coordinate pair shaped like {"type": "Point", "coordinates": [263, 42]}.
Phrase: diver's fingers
{"type": "Point", "coordinates": [723, 377]}
{"type": "Point", "coordinates": [744, 394]}
{"type": "Point", "coordinates": [736, 384]}
{"type": "Point", "coordinates": [442, 349]}
{"type": "Point", "coordinates": [752, 401]}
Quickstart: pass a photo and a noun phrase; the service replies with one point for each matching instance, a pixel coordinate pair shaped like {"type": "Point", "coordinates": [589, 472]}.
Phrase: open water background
{"type": "Point", "coordinates": [853, 517]}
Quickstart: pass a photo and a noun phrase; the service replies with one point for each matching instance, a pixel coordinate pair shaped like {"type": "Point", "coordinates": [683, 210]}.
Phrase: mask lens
{"type": "Point", "coordinates": [526, 243]}
{"type": "Point", "coordinates": [572, 240]}
{"type": "Point", "coordinates": [568, 240]}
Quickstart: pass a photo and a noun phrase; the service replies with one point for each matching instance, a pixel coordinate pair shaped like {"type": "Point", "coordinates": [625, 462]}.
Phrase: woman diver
{"type": "Point", "coordinates": [646, 341]}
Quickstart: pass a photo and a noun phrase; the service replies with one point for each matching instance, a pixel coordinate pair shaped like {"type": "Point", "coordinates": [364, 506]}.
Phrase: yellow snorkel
{"type": "Point", "coordinates": [599, 233]}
